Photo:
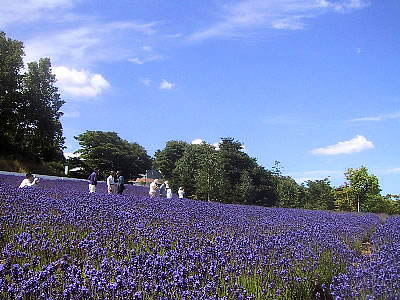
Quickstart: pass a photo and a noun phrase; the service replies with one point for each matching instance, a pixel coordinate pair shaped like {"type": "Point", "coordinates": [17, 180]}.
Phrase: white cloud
{"type": "Point", "coordinates": [301, 177]}
{"type": "Point", "coordinates": [24, 11]}
{"type": "Point", "coordinates": [357, 144]}
{"type": "Point", "coordinates": [165, 85]}
{"type": "Point", "coordinates": [358, 50]}
{"type": "Point", "coordinates": [145, 81]}
{"type": "Point", "coordinates": [379, 117]}
{"type": "Point", "coordinates": [71, 155]}
{"type": "Point", "coordinates": [71, 114]}
{"type": "Point", "coordinates": [239, 18]}
{"type": "Point", "coordinates": [197, 142]}
{"type": "Point", "coordinates": [90, 43]}
{"type": "Point", "coordinates": [79, 83]}
{"type": "Point", "coordinates": [136, 61]}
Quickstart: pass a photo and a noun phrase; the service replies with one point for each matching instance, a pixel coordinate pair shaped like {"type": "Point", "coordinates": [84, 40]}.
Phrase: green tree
{"type": "Point", "coordinates": [107, 151]}
{"type": "Point", "coordinates": [11, 64]}
{"type": "Point", "coordinates": [40, 129]}
{"type": "Point", "coordinates": [320, 195]}
{"type": "Point", "coordinates": [186, 170]}
{"type": "Point", "coordinates": [233, 162]}
{"type": "Point", "coordinates": [288, 190]}
{"type": "Point", "coordinates": [209, 177]}
{"type": "Point", "coordinates": [165, 160]}
{"type": "Point", "coordinates": [264, 187]}
{"type": "Point", "coordinates": [364, 187]}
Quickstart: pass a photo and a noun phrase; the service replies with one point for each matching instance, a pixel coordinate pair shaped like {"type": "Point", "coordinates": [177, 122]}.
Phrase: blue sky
{"type": "Point", "coordinates": [313, 84]}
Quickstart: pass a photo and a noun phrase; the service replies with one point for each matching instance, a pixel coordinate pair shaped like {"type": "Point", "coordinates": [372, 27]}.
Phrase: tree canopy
{"type": "Point", "coordinates": [29, 106]}
{"type": "Point", "coordinates": [107, 151]}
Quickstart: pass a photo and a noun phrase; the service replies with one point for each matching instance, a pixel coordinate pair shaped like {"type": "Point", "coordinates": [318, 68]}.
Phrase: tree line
{"type": "Point", "coordinates": [227, 174]}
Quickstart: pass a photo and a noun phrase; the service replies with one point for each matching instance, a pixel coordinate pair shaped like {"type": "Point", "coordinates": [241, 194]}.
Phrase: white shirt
{"type": "Point", "coordinates": [110, 181]}
{"type": "Point", "coordinates": [153, 188]}
{"type": "Point", "coordinates": [27, 182]}
{"type": "Point", "coordinates": [181, 193]}
{"type": "Point", "coordinates": [169, 193]}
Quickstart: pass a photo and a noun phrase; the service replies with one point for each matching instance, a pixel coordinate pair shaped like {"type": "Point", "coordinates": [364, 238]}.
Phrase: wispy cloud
{"type": "Point", "coordinates": [239, 18]}
{"type": "Point", "coordinates": [301, 177]}
{"type": "Point", "coordinates": [25, 11]}
{"type": "Point", "coordinates": [80, 83]}
{"type": "Point", "coordinates": [88, 44]}
{"type": "Point", "coordinates": [165, 85]}
{"type": "Point", "coordinates": [71, 114]}
{"type": "Point", "coordinates": [379, 117]}
{"type": "Point", "coordinates": [145, 81]}
{"type": "Point", "coordinates": [136, 61]}
{"type": "Point", "coordinates": [357, 144]}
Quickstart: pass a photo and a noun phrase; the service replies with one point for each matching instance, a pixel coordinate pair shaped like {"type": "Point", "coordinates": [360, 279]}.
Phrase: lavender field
{"type": "Point", "coordinates": [57, 241]}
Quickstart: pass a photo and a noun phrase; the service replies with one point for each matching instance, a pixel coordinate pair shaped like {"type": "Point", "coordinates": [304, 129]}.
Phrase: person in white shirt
{"type": "Point", "coordinates": [153, 189]}
{"type": "Point", "coordinates": [111, 183]}
{"type": "Point", "coordinates": [29, 181]}
{"type": "Point", "coordinates": [169, 191]}
{"type": "Point", "coordinates": [181, 192]}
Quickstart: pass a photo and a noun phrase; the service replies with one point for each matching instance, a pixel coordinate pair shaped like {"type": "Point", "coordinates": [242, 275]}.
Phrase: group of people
{"type": "Point", "coordinates": [165, 190]}
{"type": "Point", "coordinates": [115, 182]}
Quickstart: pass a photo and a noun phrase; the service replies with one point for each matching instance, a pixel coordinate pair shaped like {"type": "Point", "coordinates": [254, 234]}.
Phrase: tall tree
{"type": "Point", "coordinates": [40, 129]}
{"type": "Point", "coordinates": [11, 63]}
{"type": "Point", "coordinates": [107, 151]}
{"type": "Point", "coordinates": [320, 195]}
{"type": "Point", "coordinates": [165, 160]}
{"type": "Point", "coordinates": [360, 187]}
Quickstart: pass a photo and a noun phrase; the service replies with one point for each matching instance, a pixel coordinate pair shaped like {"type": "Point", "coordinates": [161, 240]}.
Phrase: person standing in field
{"type": "Point", "coordinates": [153, 189]}
{"type": "Point", "coordinates": [163, 190]}
{"type": "Point", "coordinates": [111, 183]}
{"type": "Point", "coordinates": [29, 181]}
{"type": "Point", "coordinates": [93, 180]}
{"type": "Point", "coordinates": [181, 192]}
{"type": "Point", "coordinates": [120, 183]}
{"type": "Point", "coordinates": [169, 191]}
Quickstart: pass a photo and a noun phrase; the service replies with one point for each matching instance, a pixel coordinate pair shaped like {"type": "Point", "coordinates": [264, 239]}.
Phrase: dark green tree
{"type": "Point", "coordinates": [40, 130]}
{"type": "Point", "coordinates": [233, 162]}
{"type": "Point", "coordinates": [288, 190]}
{"type": "Point", "coordinates": [165, 160]}
{"type": "Point", "coordinates": [11, 64]}
{"type": "Point", "coordinates": [107, 151]}
{"type": "Point", "coordinates": [320, 195]}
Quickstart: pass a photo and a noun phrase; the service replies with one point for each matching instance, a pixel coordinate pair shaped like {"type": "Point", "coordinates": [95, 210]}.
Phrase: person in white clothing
{"type": "Point", "coordinates": [181, 192]}
{"type": "Point", "coordinates": [169, 191]}
{"type": "Point", "coordinates": [153, 189]}
{"type": "Point", "coordinates": [111, 183]}
{"type": "Point", "coordinates": [29, 181]}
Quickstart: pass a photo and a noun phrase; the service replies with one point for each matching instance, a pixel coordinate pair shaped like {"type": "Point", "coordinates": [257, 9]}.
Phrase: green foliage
{"type": "Point", "coordinates": [288, 191]}
{"type": "Point", "coordinates": [225, 175]}
{"type": "Point", "coordinates": [107, 151]}
{"type": "Point", "coordinates": [363, 188]}
{"type": "Point", "coordinates": [320, 195]}
{"type": "Point", "coordinates": [29, 106]}
{"type": "Point", "coordinates": [11, 64]}
{"type": "Point", "coordinates": [165, 160]}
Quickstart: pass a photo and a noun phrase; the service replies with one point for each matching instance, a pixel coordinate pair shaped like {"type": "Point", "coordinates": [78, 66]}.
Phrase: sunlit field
{"type": "Point", "coordinates": [57, 241]}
